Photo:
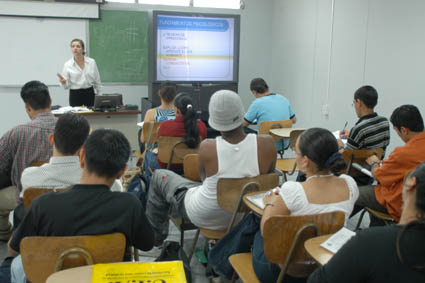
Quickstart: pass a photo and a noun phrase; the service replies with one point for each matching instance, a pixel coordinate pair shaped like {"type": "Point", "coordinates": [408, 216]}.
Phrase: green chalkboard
{"type": "Point", "coordinates": [119, 44]}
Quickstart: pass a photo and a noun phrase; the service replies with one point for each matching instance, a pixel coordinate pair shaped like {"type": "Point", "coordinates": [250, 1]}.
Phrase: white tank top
{"type": "Point", "coordinates": [234, 161]}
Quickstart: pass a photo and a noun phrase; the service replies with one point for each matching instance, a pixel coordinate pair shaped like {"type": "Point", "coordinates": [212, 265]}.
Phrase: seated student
{"type": "Point", "coordinates": [163, 112]}
{"type": "Point", "coordinates": [21, 146]}
{"type": "Point", "coordinates": [394, 253]}
{"type": "Point", "coordinates": [89, 208]}
{"type": "Point", "coordinates": [317, 155]}
{"type": "Point", "coordinates": [185, 125]}
{"type": "Point", "coordinates": [63, 169]}
{"type": "Point", "coordinates": [371, 131]}
{"type": "Point", "coordinates": [232, 155]}
{"type": "Point", "coordinates": [386, 195]}
{"type": "Point", "coordinates": [268, 106]}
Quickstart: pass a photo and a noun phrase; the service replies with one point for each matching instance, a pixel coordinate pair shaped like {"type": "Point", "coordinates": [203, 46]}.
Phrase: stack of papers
{"type": "Point", "coordinates": [337, 240]}
{"type": "Point", "coordinates": [66, 109]}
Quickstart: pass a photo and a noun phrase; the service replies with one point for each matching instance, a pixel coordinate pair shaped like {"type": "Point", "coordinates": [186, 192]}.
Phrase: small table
{"type": "Point", "coordinates": [80, 274]}
{"type": "Point", "coordinates": [252, 206]}
{"type": "Point", "coordinates": [285, 133]}
{"type": "Point", "coordinates": [319, 254]}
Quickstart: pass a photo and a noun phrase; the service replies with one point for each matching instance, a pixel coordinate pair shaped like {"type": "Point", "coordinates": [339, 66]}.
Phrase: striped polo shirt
{"type": "Point", "coordinates": [371, 131]}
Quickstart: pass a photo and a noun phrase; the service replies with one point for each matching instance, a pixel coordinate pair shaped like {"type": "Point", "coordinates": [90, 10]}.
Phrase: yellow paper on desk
{"type": "Point", "coordinates": [146, 272]}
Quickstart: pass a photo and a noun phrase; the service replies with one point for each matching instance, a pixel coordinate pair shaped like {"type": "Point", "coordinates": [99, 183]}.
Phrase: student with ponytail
{"type": "Point", "coordinates": [184, 125]}
{"type": "Point", "coordinates": [324, 191]}
{"type": "Point", "coordinates": [388, 254]}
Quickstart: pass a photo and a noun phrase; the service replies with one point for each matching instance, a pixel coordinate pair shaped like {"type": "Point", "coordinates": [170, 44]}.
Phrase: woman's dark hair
{"type": "Point", "coordinates": [419, 174]}
{"type": "Point", "coordinates": [183, 102]}
{"type": "Point", "coordinates": [321, 147]}
{"type": "Point", "coordinates": [167, 92]}
{"type": "Point", "coordinates": [81, 42]}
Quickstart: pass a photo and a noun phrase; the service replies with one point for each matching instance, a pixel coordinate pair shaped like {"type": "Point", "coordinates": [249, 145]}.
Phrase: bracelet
{"type": "Point", "coordinates": [268, 204]}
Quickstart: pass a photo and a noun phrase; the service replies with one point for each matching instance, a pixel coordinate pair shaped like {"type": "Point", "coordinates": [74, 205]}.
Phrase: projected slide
{"type": "Point", "coordinates": [194, 48]}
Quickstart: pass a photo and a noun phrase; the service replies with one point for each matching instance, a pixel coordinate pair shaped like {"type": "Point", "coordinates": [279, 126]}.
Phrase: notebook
{"type": "Point", "coordinates": [337, 240]}
{"type": "Point", "coordinates": [257, 199]}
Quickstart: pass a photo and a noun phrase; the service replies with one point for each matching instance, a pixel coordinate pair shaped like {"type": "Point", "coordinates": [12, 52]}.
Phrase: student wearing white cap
{"type": "Point", "coordinates": [231, 155]}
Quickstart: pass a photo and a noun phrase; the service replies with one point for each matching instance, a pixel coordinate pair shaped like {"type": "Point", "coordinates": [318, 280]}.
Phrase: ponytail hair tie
{"type": "Point", "coordinates": [334, 157]}
{"type": "Point", "coordinates": [189, 106]}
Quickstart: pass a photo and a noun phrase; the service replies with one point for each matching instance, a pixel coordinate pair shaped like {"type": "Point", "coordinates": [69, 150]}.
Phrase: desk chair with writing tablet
{"type": "Point", "coordinates": [265, 126]}
{"type": "Point", "coordinates": [150, 137]}
{"type": "Point", "coordinates": [42, 256]}
{"type": "Point", "coordinates": [288, 166]}
{"type": "Point", "coordinates": [384, 217]}
{"type": "Point", "coordinates": [284, 238]}
{"type": "Point", "coordinates": [230, 194]}
{"type": "Point", "coordinates": [359, 156]}
{"type": "Point", "coordinates": [172, 150]}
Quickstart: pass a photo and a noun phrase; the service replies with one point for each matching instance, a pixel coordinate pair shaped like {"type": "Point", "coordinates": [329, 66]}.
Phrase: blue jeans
{"type": "Point", "coordinates": [151, 162]}
{"type": "Point", "coordinates": [240, 240]}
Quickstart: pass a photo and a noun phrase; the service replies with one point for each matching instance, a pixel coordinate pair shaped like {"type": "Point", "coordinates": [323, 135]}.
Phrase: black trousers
{"type": "Point", "coordinates": [83, 96]}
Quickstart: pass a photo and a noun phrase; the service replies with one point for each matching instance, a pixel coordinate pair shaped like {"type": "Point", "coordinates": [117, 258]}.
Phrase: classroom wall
{"type": "Point", "coordinates": [324, 50]}
{"type": "Point", "coordinates": [255, 60]}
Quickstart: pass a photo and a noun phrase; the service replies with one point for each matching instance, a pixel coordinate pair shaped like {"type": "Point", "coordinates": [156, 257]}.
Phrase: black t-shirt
{"type": "Point", "coordinates": [86, 210]}
{"type": "Point", "coordinates": [371, 256]}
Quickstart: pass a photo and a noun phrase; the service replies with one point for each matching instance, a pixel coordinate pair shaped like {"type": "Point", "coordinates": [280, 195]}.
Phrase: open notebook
{"type": "Point", "coordinates": [337, 240]}
{"type": "Point", "coordinates": [257, 199]}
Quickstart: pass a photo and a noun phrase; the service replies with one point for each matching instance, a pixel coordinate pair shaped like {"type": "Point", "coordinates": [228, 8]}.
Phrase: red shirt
{"type": "Point", "coordinates": [390, 175]}
{"type": "Point", "coordinates": [175, 128]}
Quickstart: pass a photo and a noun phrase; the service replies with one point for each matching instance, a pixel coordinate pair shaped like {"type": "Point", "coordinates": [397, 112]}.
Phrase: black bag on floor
{"type": "Point", "coordinates": [172, 251]}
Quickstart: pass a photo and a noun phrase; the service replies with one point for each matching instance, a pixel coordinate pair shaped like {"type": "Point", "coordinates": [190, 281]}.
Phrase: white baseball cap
{"type": "Point", "coordinates": [226, 110]}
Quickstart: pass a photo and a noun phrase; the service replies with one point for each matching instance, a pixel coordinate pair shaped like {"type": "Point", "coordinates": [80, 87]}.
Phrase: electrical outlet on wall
{"type": "Point", "coordinates": [325, 109]}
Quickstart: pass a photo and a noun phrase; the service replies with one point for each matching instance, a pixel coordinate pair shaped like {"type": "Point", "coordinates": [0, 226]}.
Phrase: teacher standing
{"type": "Point", "coordinates": [81, 76]}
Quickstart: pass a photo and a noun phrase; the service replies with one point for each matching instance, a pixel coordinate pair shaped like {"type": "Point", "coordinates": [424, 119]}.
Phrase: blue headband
{"type": "Point", "coordinates": [335, 156]}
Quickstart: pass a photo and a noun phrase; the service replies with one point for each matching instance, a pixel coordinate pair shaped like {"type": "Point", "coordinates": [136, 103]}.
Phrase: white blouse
{"type": "Point", "coordinates": [296, 201]}
{"type": "Point", "coordinates": [76, 78]}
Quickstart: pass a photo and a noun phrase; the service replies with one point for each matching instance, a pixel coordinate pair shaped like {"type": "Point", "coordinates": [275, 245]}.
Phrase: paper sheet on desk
{"type": "Point", "coordinates": [337, 240]}
{"type": "Point", "coordinates": [66, 109]}
{"type": "Point", "coordinates": [257, 199]}
{"type": "Point", "coordinates": [337, 136]}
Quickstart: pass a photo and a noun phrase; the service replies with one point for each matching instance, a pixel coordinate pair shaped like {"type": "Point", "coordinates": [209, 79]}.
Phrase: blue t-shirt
{"type": "Point", "coordinates": [272, 107]}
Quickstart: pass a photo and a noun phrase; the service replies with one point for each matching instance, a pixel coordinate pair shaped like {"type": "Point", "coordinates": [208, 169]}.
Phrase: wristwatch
{"type": "Point", "coordinates": [374, 163]}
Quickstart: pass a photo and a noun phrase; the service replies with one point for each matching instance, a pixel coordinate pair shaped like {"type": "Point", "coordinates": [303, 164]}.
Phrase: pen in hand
{"type": "Point", "coordinates": [342, 135]}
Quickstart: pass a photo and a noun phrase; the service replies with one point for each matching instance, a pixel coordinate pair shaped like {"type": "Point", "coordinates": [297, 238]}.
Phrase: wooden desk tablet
{"type": "Point", "coordinates": [284, 132]}
{"type": "Point", "coordinates": [319, 254]}
{"type": "Point", "coordinates": [80, 274]}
